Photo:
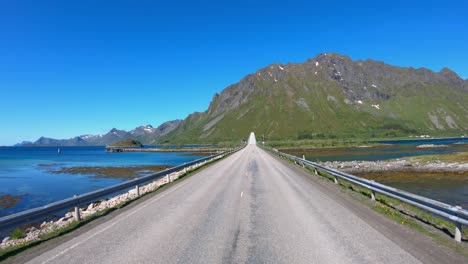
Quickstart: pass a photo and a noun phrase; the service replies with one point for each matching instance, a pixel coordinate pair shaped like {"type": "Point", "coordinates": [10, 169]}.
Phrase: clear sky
{"type": "Point", "coordinates": [76, 67]}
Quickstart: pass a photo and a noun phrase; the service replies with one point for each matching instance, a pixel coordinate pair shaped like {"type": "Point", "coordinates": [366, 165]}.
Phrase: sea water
{"type": "Point", "coordinates": [25, 172]}
{"type": "Point", "coordinates": [451, 188]}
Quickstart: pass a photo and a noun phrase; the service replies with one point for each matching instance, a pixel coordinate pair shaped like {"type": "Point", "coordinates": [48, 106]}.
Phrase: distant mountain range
{"type": "Point", "coordinates": [332, 96]}
{"type": "Point", "coordinates": [146, 134]}
{"type": "Point", "coordinates": [329, 96]}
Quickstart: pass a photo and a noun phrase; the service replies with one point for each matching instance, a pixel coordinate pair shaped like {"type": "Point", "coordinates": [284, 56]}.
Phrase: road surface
{"type": "Point", "coordinates": [248, 208]}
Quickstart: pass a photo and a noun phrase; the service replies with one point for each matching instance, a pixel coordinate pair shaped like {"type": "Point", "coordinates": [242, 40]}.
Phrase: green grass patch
{"type": "Point", "coordinates": [451, 157]}
{"type": "Point", "coordinates": [18, 233]}
{"type": "Point", "coordinates": [406, 214]}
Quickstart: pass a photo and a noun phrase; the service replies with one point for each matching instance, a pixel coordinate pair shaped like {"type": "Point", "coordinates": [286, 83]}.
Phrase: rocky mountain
{"type": "Point", "coordinates": [143, 130]}
{"type": "Point", "coordinates": [333, 96]}
{"type": "Point", "coordinates": [146, 134]}
{"type": "Point", "coordinates": [150, 136]}
{"type": "Point", "coordinates": [23, 143]}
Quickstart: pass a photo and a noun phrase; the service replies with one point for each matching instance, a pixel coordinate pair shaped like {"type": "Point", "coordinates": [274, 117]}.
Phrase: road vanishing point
{"type": "Point", "coordinates": [251, 207]}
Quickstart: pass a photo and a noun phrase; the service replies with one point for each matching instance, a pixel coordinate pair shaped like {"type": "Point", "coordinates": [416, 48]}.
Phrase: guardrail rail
{"type": "Point", "coordinates": [36, 214]}
{"type": "Point", "coordinates": [454, 214]}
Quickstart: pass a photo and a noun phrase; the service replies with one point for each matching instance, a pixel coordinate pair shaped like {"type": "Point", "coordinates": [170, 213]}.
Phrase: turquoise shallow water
{"type": "Point", "coordinates": [22, 172]}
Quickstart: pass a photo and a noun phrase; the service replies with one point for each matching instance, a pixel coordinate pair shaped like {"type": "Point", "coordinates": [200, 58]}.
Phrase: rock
{"type": "Point", "coordinates": [61, 220]}
{"type": "Point", "coordinates": [91, 206]}
{"type": "Point", "coordinates": [69, 215]}
{"type": "Point", "coordinates": [5, 240]}
{"type": "Point", "coordinates": [43, 225]}
{"type": "Point", "coordinates": [31, 229]}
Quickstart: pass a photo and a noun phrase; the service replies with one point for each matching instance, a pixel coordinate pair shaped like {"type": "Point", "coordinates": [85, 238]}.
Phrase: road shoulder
{"type": "Point", "coordinates": [422, 247]}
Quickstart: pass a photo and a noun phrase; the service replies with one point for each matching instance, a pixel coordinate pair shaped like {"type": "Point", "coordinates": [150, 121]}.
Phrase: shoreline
{"type": "Point", "coordinates": [131, 149]}
{"type": "Point", "coordinates": [397, 166]}
{"type": "Point", "coordinates": [109, 172]}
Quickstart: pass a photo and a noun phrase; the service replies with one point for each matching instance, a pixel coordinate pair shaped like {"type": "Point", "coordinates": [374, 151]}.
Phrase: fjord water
{"type": "Point", "coordinates": [392, 150]}
{"type": "Point", "coordinates": [25, 172]}
{"type": "Point", "coordinates": [451, 188]}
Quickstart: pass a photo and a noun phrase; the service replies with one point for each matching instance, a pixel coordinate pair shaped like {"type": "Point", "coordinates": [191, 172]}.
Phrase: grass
{"type": "Point", "coordinates": [406, 214]}
{"type": "Point", "coordinates": [451, 157]}
{"type": "Point", "coordinates": [319, 143]}
{"type": "Point", "coordinates": [130, 143]}
{"type": "Point", "coordinates": [12, 251]}
{"type": "Point", "coordinates": [307, 107]}
{"type": "Point", "coordinates": [402, 207]}
{"type": "Point", "coordinates": [19, 233]}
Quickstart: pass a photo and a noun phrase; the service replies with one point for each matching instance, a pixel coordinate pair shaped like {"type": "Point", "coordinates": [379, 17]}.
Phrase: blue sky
{"type": "Point", "coordinates": [76, 67]}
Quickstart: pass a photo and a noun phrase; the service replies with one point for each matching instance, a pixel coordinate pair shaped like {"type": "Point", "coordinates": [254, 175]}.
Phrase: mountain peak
{"type": "Point", "coordinates": [344, 96]}
{"type": "Point", "coordinates": [146, 133]}
{"type": "Point", "coordinates": [448, 72]}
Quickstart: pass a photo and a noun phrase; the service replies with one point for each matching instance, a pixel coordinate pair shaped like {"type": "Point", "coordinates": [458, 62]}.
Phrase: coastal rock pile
{"type": "Point", "coordinates": [34, 234]}
{"type": "Point", "coordinates": [399, 165]}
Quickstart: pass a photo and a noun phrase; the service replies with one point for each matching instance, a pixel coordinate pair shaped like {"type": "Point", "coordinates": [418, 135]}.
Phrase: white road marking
{"type": "Point", "coordinates": [242, 194]}
{"type": "Point", "coordinates": [118, 221]}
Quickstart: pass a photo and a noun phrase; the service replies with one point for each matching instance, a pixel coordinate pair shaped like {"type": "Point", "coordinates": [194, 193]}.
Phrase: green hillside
{"type": "Point", "coordinates": [128, 143]}
{"type": "Point", "coordinates": [332, 96]}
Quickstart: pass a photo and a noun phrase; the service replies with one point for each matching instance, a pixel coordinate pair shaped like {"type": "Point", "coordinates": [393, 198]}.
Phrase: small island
{"type": "Point", "coordinates": [120, 146]}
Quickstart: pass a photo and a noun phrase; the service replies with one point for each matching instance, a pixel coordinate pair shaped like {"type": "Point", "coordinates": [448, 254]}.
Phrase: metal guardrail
{"type": "Point", "coordinates": [39, 213]}
{"type": "Point", "coordinates": [455, 214]}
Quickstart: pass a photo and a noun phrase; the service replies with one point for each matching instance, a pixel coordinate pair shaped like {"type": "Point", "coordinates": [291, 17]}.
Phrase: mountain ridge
{"type": "Point", "coordinates": [146, 134]}
{"type": "Point", "coordinates": [347, 98]}
{"type": "Point", "coordinates": [328, 96]}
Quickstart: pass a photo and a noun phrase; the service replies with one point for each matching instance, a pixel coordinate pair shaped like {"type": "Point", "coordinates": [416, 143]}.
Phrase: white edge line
{"type": "Point", "coordinates": [116, 222]}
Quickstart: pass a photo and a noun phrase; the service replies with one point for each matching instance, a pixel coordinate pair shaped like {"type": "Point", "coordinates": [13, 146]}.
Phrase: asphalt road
{"type": "Point", "coordinates": [248, 208]}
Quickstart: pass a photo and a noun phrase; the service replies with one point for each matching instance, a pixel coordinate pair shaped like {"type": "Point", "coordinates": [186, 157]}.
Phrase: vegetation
{"type": "Point", "coordinates": [318, 143]}
{"type": "Point", "coordinates": [129, 172]}
{"type": "Point", "coordinates": [299, 105]}
{"type": "Point", "coordinates": [18, 233]}
{"type": "Point", "coordinates": [452, 157]}
{"type": "Point", "coordinates": [128, 143]}
{"type": "Point", "coordinates": [406, 214]}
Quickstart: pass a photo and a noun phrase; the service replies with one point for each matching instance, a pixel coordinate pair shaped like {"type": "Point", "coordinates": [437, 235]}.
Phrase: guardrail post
{"type": "Point", "coordinates": [458, 228]}
{"type": "Point", "coordinates": [372, 195]}
{"type": "Point", "coordinates": [458, 232]}
{"type": "Point", "coordinates": [137, 189]}
{"type": "Point", "coordinates": [335, 180]}
{"type": "Point", "coordinates": [77, 214]}
{"type": "Point", "coordinates": [168, 178]}
{"type": "Point", "coordinates": [315, 171]}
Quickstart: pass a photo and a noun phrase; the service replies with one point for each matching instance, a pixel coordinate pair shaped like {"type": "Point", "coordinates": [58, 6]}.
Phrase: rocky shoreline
{"type": "Point", "coordinates": [8, 200]}
{"type": "Point", "coordinates": [398, 165]}
{"type": "Point", "coordinates": [126, 173]}
{"type": "Point", "coordinates": [35, 233]}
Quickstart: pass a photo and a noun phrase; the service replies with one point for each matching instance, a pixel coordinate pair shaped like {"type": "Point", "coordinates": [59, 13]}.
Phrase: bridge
{"type": "Point", "coordinates": [251, 207]}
